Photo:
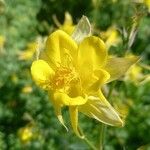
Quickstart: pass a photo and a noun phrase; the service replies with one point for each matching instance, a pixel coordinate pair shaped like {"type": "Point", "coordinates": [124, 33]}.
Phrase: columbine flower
{"type": "Point", "coordinates": [2, 42]}
{"type": "Point", "coordinates": [27, 89]}
{"type": "Point", "coordinates": [26, 134]}
{"type": "Point", "coordinates": [111, 37]}
{"type": "Point", "coordinates": [73, 74]}
{"type": "Point", "coordinates": [136, 73]}
{"type": "Point", "coordinates": [29, 52]}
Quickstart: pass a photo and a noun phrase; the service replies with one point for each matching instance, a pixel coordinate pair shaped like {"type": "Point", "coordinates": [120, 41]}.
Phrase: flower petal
{"type": "Point", "coordinates": [64, 100]}
{"type": "Point", "coordinates": [102, 77]}
{"type": "Point", "coordinates": [93, 83]}
{"type": "Point", "coordinates": [117, 67]}
{"type": "Point", "coordinates": [99, 108]}
{"type": "Point", "coordinates": [73, 110]}
{"type": "Point", "coordinates": [59, 46]}
{"type": "Point", "coordinates": [92, 54]}
{"type": "Point", "coordinates": [42, 73]}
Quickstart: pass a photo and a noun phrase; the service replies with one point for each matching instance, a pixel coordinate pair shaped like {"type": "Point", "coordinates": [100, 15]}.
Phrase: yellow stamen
{"type": "Point", "coordinates": [63, 78]}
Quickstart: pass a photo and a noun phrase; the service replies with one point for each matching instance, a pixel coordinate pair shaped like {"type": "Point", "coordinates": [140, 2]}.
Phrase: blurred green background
{"type": "Point", "coordinates": [27, 119]}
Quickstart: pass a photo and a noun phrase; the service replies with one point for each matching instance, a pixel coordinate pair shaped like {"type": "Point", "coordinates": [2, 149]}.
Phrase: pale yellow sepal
{"type": "Point", "coordinates": [99, 108]}
{"type": "Point", "coordinates": [117, 67]}
{"type": "Point", "coordinates": [73, 110]}
{"type": "Point", "coordinates": [82, 30]}
{"type": "Point", "coordinates": [41, 73]}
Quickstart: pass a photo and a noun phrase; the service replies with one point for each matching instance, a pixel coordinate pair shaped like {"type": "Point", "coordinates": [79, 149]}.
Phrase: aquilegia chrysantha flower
{"type": "Point", "coordinates": [111, 37]}
{"type": "Point", "coordinates": [29, 52]}
{"type": "Point", "coordinates": [73, 74]}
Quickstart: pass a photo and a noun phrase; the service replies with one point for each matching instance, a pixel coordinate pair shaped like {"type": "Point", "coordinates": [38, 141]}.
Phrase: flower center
{"type": "Point", "coordinates": [64, 78]}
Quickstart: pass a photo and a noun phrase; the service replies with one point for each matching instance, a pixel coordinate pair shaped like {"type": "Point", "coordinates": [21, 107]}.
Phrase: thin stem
{"type": "Point", "coordinates": [87, 141]}
{"type": "Point", "coordinates": [90, 144]}
{"type": "Point", "coordinates": [102, 136]}
{"type": "Point", "coordinates": [103, 126]}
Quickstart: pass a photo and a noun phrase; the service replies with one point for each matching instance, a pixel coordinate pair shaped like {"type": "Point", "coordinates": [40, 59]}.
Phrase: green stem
{"type": "Point", "coordinates": [102, 136]}
{"type": "Point", "coordinates": [87, 141]}
{"type": "Point", "coordinates": [103, 126]}
{"type": "Point", "coordinates": [90, 144]}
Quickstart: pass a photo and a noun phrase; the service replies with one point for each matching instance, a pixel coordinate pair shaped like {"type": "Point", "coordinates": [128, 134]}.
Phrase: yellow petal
{"type": "Point", "coordinates": [73, 110]}
{"type": "Point", "coordinates": [92, 55]}
{"type": "Point", "coordinates": [117, 67]}
{"type": "Point", "coordinates": [64, 99]}
{"type": "Point", "coordinates": [99, 108]}
{"type": "Point", "coordinates": [42, 73]}
{"type": "Point", "coordinates": [59, 47]}
{"type": "Point", "coordinates": [100, 78]}
{"type": "Point", "coordinates": [68, 28]}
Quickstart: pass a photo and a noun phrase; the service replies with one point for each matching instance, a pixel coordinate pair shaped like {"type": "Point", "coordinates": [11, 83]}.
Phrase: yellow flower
{"type": "Point", "coordinates": [135, 73]}
{"type": "Point", "coordinates": [29, 52]}
{"type": "Point", "coordinates": [26, 134]}
{"type": "Point", "coordinates": [14, 78]}
{"type": "Point", "coordinates": [27, 89]}
{"type": "Point", "coordinates": [111, 37]}
{"type": "Point", "coordinates": [67, 25]}
{"type": "Point", "coordinates": [73, 75]}
{"type": "Point", "coordinates": [2, 41]}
